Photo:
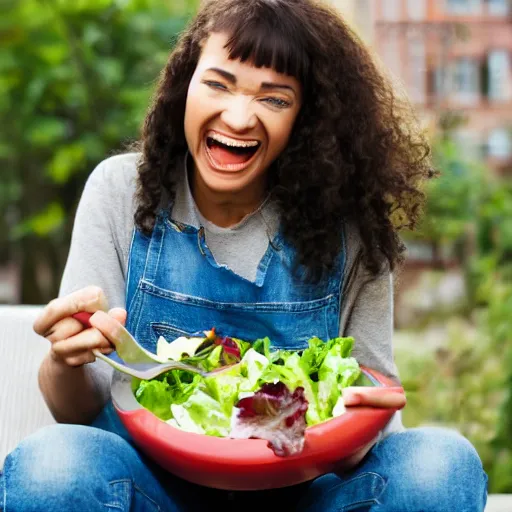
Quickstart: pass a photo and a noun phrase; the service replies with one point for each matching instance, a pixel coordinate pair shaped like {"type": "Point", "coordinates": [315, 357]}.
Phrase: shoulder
{"type": "Point", "coordinates": [110, 188]}
{"type": "Point", "coordinates": [117, 173]}
{"type": "Point", "coordinates": [109, 195]}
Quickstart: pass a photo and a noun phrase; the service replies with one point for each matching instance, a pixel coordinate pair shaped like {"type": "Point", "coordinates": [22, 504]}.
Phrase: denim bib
{"type": "Point", "coordinates": [176, 288]}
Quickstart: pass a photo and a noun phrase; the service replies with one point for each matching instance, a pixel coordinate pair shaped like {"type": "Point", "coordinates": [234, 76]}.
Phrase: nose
{"type": "Point", "coordinates": [238, 114]}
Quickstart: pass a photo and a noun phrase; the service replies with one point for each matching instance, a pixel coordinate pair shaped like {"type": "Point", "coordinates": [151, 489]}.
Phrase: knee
{"type": "Point", "coordinates": [445, 471]}
{"type": "Point", "coordinates": [444, 454]}
{"type": "Point", "coordinates": [60, 457]}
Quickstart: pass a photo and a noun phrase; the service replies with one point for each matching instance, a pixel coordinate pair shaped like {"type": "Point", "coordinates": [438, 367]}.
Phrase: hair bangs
{"type": "Point", "coordinates": [268, 39]}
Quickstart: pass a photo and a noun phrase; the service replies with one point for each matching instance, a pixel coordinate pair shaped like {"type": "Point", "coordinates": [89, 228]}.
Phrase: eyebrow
{"type": "Point", "coordinates": [264, 86]}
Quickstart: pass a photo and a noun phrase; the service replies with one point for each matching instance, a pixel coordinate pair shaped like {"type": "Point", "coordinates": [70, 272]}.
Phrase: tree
{"type": "Point", "coordinates": [452, 198]}
{"type": "Point", "coordinates": [75, 82]}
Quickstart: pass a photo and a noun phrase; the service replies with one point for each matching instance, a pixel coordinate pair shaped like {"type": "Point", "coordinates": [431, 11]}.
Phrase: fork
{"type": "Point", "coordinates": [135, 360]}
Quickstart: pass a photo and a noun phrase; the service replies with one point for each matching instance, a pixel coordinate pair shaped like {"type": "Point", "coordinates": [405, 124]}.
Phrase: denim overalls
{"type": "Point", "coordinates": [175, 287]}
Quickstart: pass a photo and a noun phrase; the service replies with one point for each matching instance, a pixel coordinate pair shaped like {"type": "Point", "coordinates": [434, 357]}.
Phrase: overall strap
{"type": "Point", "coordinates": [154, 250]}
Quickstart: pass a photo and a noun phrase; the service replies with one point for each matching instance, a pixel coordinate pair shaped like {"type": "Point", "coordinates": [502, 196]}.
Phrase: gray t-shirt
{"type": "Point", "coordinates": [103, 231]}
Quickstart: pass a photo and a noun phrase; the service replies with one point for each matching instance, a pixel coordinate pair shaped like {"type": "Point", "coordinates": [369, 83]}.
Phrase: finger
{"type": "Point", "coordinates": [111, 328]}
{"type": "Point", "coordinates": [388, 398]}
{"type": "Point", "coordinates": [80, 358]}
{"type": "Point", "coordinates": [64, 329]}
{"type": "Point", "coordinates": [119, 314]}
{"type": "Point", "coordinates": [81, 343]}
{"type": "Point", "coordinates": [90, 299]}
{"type": "Point", "coordinates": [75, 360]}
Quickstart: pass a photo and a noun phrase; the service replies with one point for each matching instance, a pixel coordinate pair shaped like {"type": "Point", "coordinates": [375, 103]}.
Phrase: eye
{"type": "Point", "coordinates": [277, 102]}
{"type": "Point", "coordinates": [215, 85]}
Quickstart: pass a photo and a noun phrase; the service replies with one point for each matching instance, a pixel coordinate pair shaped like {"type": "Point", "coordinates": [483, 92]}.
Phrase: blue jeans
{"type": "Point", "coordinates": [79, 468]}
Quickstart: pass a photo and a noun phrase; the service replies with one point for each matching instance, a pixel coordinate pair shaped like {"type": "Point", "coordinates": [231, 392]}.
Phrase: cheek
{"type": "Point", "coordinates": [279, 134]}
{"type": "Point", "coordinates": [197, 110]}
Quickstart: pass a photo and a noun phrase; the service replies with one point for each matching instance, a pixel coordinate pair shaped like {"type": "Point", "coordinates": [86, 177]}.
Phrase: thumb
{"type": "Point", "coordinates": [119, 314]}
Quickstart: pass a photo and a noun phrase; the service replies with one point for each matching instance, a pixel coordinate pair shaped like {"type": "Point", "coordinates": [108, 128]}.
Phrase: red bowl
{"type": "Point", "coordinates": [249, 464]}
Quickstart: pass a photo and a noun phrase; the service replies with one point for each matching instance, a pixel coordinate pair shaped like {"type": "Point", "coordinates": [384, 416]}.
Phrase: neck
{"type": "Point", "coordinates": [225, 209]}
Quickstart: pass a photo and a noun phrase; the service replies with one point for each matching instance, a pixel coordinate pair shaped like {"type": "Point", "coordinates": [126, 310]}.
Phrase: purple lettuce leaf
{"type": "Point", "coordinates": [275, 414]}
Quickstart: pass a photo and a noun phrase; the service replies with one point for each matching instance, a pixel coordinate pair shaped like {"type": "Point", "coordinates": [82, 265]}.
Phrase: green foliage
{"type": "Point", "coordinates": [465, 382]}
{"type": "Point", "coordinates": [452, 197]}
{"type": "Point", "coordinates": [495, 219]}
{"type": "Point", "coordinates": [462, 385]}
{"type": "Point", "coordinates": [75, 82]}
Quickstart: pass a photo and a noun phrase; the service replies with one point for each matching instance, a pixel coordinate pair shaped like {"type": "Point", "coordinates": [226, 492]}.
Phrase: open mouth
{"type": "Point", "coordinates": [231, 155]}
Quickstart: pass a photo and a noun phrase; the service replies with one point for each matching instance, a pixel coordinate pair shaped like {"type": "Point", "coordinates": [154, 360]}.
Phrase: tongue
{"type": "Point", "coordinates": [224, 156]}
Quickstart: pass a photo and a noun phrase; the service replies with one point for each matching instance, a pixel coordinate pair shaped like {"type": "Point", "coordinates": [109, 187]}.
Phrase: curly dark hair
{"type": "Point", "coordinates": [356, 153]}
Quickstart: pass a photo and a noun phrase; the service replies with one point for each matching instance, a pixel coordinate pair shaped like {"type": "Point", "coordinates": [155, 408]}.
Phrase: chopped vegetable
{"type": "Point", "coordinates": [275, 414]}
{"type": "Point", "coordinates": [260, 392]}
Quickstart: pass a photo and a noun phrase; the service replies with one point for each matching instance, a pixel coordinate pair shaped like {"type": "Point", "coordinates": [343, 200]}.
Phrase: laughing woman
{"type": "Point", "coordinates": [276, 165]}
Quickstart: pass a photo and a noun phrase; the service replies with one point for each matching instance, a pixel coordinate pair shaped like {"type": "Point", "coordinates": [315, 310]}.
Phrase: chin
{"type": "Point", "coordinates": [225, 184]}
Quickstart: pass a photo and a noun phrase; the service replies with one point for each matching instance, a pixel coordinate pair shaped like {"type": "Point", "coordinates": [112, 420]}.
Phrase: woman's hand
{"type": "Point", "coordinates": [387, 398]}
{"type": "Point", "coordinates": [71, 342]}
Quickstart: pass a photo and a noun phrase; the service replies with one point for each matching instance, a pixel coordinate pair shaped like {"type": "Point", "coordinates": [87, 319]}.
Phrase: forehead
{"type": "Point", "coordinates": [215, 55]}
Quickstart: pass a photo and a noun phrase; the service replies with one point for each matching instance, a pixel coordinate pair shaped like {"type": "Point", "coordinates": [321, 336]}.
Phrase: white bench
{"type": "Point", "coordinates": [22, 407]}
{"type": "Point", "coordinates": [21, 351]}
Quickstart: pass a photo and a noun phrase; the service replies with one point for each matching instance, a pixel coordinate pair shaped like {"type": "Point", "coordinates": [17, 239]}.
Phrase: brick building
{"type": "Point", "coordinates": [450, 55]}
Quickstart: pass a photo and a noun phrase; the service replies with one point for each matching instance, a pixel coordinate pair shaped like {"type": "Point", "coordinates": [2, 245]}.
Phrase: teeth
{"type": "Point", "coordinates": [233, 142]}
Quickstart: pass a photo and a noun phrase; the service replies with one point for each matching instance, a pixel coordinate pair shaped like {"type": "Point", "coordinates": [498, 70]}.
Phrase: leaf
{"type": "Point", "coordinates": [54, 53]}
{"type": "Point", "coordinates": [45, 131]}
{"type": "Point", "coordinates": [156, 395]}
{"type": "Point", "coordinates": [43, 223]}
{"type": "Point", "coordinates": [275, 414]}
{"type": "Point", "coordinates": [66, 162]}
{"type": "Point", "coordinates": [5, 150]}
{"type": "Point", "coordinates": [110, 70]}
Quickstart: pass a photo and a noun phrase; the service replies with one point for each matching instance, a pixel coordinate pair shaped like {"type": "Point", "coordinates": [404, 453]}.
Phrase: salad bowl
{"type": "Point", "coordinates": [249, 464]}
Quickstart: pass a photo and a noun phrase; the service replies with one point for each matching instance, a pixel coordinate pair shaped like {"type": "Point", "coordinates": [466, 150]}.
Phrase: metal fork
{"type": "Point", "coordinates": [135, 360]}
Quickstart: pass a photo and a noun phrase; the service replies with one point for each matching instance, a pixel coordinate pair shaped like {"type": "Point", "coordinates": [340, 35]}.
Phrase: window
{"type": "Point", "coordinates": [417, 69]}
{"type": "Point", "coordinates": [391, 9]}
{"type": "Point", "coordinates": [498, 7]}
{"type": "Point", "coordinates": [391, 54]}
{"type": "Point", "coordinates": [417, 9]}
{"type": "Point", "coordinates": [499, 75]}
{"type": "Point", "coordinates": [465, 80]}
{"type": "Point", "coordinates": [464, 6]}
{"type": "Point", "coordinates": [441, 82]}
{"type": "Point", "coordinates": [500, 144]}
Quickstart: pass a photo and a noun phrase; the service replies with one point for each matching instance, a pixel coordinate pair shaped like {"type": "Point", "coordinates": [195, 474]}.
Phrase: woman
{"type": "Point", "coordinates": [275, 169]}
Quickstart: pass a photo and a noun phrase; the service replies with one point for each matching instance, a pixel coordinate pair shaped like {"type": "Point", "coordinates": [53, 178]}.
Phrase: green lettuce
{"type": "Point", "coordinates": [207, 405]}
{"type": "Point", "coordinates": [158, 394]}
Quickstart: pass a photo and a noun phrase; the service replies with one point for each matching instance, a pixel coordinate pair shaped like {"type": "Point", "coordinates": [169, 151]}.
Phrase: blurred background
{"type": "Point", "coordinates": [75, 82]}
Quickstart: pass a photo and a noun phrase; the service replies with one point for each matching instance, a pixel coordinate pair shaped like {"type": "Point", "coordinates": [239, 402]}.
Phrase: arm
{"type": "Point", "coordinates": [61, 384]}
{"type": "Point", "coordinates": [370, 322]}
{"type": "Point", "coordinates": [369, 319]}
{"type": "Point", "coordinates": [73, 385]}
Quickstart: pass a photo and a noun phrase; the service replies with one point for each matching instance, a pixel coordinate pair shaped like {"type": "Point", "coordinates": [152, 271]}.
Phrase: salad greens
{"type": "Point", "coordinates": [255, 392]}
